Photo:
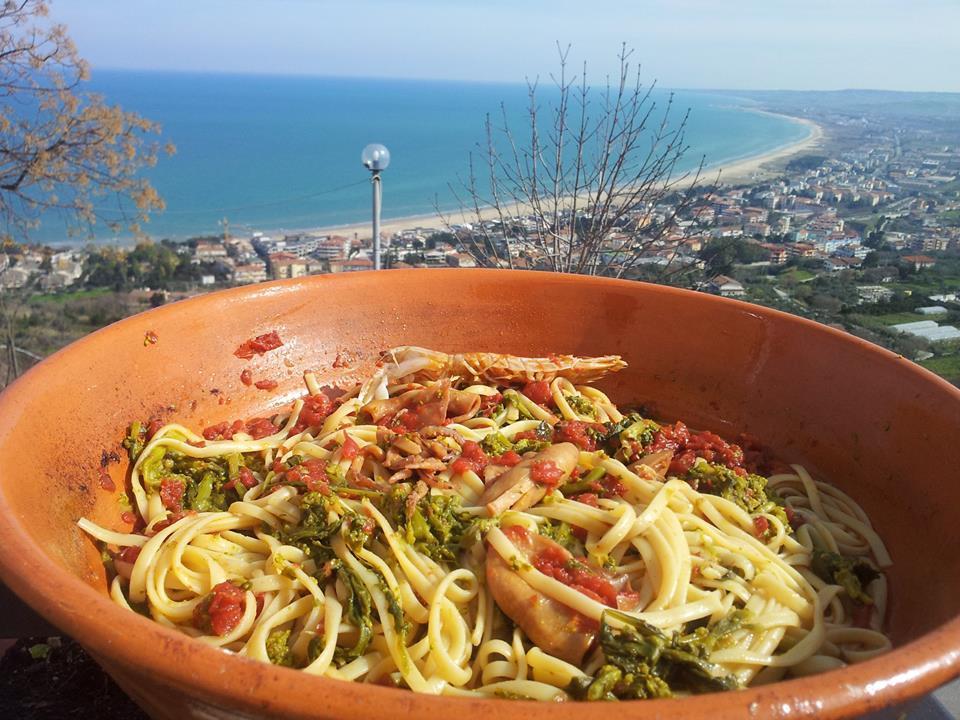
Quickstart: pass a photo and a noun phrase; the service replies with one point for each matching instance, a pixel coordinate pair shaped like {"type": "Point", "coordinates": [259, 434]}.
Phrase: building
{"type": "Point", "coordinates": [725, 287]}
{"type": "Point", "coordinates": [874, 293]}
{"type": "Point", "coordinates": [354, 264]}
{"type": "Point", "coordinates": [209, 250]}
{"type": "Point", "coordinates": [920, 262]}
{"type": "Point", "coordinates": [932, 310]}
{"type": "Point", "coordinates": [287, 265]}
{"type": "Point", "coordinates": [778, 253]}
{"type": "Point", "coordinates": [928, 330]}
{"type": "Point", "coordinates": [250, 273]}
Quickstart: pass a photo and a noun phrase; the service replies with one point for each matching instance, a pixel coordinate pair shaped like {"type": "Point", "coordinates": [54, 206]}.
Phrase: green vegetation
{"type": "Point", "coordinates": [947, 367]}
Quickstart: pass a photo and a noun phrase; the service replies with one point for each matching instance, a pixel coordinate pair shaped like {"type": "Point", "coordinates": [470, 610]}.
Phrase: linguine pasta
{"type": "Point", "coordinates": [483, 524]}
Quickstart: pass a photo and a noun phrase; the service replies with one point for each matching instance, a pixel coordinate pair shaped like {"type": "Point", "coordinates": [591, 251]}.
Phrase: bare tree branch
{"type": "Point", "coordinates": [590, 179]}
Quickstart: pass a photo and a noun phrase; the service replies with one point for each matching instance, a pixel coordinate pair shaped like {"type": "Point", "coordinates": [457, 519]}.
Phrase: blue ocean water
{"type": "Point", "coordinates": [277, 152]}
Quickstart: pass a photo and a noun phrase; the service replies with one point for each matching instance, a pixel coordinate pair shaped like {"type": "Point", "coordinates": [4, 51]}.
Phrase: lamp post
{"type": "Point", "coordinates": [375, 158]}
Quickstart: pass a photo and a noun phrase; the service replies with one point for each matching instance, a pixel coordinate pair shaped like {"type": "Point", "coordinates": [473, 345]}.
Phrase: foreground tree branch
{"type": "Point", "coordinates": [63, 149]}
{"type": "Point", "coordinates": [587, 189]}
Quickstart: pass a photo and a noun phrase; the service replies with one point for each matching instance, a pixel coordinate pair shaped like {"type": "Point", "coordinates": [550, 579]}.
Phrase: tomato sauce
{"type": "Point", "coordinates": [260, 428]}
{"type": "Point", "coordinates": [258, 345]}
{"type": "Point", "coordinates": [546, 472]}
{"type": "Point", "coordinates": [688, 445]}
{"type": "Point", "coordinates": [171, 494]}
{"type": "Point", "coordinates": [574, 431]}
{"type": "Point", "coordinates": [472, 457]}
{"type": "Point", "coordinates": [222, 610]}
{"type": "Point", "coordinates": [539, 392]}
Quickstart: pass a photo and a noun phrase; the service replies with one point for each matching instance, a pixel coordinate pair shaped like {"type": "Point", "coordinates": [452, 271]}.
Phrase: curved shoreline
{"type": "Point", "coordinates": [732, 172]}
{"type": "Point", "coordinates": [735, 171]}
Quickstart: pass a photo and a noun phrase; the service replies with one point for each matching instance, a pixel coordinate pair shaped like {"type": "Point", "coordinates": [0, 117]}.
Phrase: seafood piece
{"type": "Point", "coordinates": [553, 626]}
{"type": "Point", "coordinates": [517, 489]}
{"type": "Point", "coordinates": [409, 363]}
{"type": "Point", "coordinates": [427, 405]}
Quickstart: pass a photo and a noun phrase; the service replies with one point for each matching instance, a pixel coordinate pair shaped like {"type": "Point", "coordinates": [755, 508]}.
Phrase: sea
{"type": "Point", "coordinates": [282, 153]}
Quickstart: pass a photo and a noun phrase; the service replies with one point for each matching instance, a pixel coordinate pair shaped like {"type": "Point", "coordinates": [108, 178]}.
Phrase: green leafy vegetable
{"type": "Point", "coordinates": [852, 574]}
{"type": "Point", "coordinates": [496, 444]}
{"type": "Point", "coordinates": [316, 528]}
{"type": "Point", "coordinates": [561, 533]}
{"type": "Point", "coordinates": [359, 611]}
{"type": "Point", "coordinates": [434, 525]}
{"type": "Point", "coordinates": [277, 649]}
{"type": "Point", "coordinates": [747, 491]}
{"type": "Point", "coordinates": [581, 406]}
{"type": "Point", "coordinates": [134, 441]}
{"type": "Point", "coordinates": [643, 662]}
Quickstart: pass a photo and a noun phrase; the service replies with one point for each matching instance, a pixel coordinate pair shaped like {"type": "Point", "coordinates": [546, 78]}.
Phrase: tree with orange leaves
{"type": "Point", "coordinates": [62, 149]}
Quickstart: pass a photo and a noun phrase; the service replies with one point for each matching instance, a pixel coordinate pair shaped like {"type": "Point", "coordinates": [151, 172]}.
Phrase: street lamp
{"type": "Point", "coordinates": [375, 158]}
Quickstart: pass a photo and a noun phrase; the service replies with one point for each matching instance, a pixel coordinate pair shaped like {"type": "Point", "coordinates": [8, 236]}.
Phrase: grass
{"type": "Point", "coordinates": [65, 297]}
{"type": "Point", "coordinates": [798, 274]}
{"type": "Point", "coordinates": [882, 322]}
{"type": "Point", "coordinates": [947, 366]}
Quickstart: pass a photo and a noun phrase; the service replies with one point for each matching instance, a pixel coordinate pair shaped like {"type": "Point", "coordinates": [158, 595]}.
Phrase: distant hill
{"type": "Point", "coordinates": [875, 103]}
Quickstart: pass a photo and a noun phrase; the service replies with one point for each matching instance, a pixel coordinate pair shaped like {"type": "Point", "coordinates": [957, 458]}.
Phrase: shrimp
{"type": "Point", "coordinates": [417, 364]}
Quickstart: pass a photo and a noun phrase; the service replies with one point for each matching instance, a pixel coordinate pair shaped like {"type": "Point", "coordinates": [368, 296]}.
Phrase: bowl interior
{"type": "Point", "coordinates": [870, 422]}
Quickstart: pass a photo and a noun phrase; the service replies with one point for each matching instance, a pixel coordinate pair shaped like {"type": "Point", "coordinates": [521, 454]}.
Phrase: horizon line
{"type": "Point", "coordinates": [292, 74]}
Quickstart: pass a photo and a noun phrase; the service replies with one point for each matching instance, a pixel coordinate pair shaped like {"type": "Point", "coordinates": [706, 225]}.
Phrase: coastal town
{"type": "Point", "coordinates": [860, 231]}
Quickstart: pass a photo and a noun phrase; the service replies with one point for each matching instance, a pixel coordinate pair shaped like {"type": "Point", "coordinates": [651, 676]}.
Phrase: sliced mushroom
{"type": "Point", "coordinates": [516, 489]}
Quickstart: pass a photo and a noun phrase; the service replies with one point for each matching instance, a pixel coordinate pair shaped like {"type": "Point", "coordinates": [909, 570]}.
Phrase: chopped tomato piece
{"type": "Point", "coordinates": [223, 431]}
{"type": "Point", "coordinates": [761, 526]}
{"type": "Point", "coordinates": [106, 482]}
{"type": "Point", "coordinates": [259, 345]}
{"type": "Point", "coordinates": [575, 432]}
{"type": "Point", "coordinates": [315, 409]}
{"type": "Point", "coordinates": [221, 611]}
{"type": "Point", "coordinates": [260, 428]}
{"type": "Point", "coordinates": [546, 472]}
{"type": "Point", "coordinates": [587, 499]}
{"type": "Point", "coordinates": [246, 377]}
{"type": "Point", "coordinates": [265, 384]}
{"type": "Point", "coordinates": [129, 554]}
{"type": "Point", "coordinates": [472, 457]}
{"type": "Point", "coordinates": [539, 392]}
{"type": "Point", "coordinates": [171, 494]}
{"type": "Point", "coordinates": [349, 449]}
{"type": "Point", "coordinates": [509, 458]}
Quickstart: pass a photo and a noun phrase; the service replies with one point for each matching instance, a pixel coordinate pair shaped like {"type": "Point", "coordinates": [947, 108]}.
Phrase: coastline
{"type": "Point", "coordinates": [735, 171]}
{"type": "Point", "coordinates": [732, 172]}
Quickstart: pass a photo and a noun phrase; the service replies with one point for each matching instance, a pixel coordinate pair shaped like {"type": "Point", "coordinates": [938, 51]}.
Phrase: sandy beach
{"type": "Point", "coordinates": [745, 170]}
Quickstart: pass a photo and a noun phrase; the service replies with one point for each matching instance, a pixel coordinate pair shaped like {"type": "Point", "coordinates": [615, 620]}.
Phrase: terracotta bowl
{"type": "Point", "coordinates": [878, 426]}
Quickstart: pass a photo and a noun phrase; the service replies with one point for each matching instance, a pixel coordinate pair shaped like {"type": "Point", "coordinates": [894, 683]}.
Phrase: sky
{"type": "Point", "coordinates": [718, 44]}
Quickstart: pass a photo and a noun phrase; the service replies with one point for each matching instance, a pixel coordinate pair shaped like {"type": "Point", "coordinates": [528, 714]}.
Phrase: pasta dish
{"type": "Point", "coordinates": [485, 524]}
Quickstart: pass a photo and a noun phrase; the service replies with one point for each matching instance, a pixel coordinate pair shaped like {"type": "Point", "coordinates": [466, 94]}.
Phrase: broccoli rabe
{"type": "Point", "coordinates": [434, 525]}
{"type": "Point", "coordinates": [496, 444]}
{"type": "Point", "coordinates": [581, 406]}
{"type": "Point", "coordinates": [561, 533]}
{"type": "Point", "coordinates": [852, 574]}
{"type": "Point", "coordinates": [643, 662]}
{"type": "Point", "coordinates": [277, 649]}
{"type": "Point", "coordinates": [748, 491]}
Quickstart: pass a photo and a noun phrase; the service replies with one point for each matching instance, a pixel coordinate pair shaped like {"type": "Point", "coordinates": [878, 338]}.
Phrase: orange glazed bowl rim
{"type": "Point", "coordinates": [124, 639]}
